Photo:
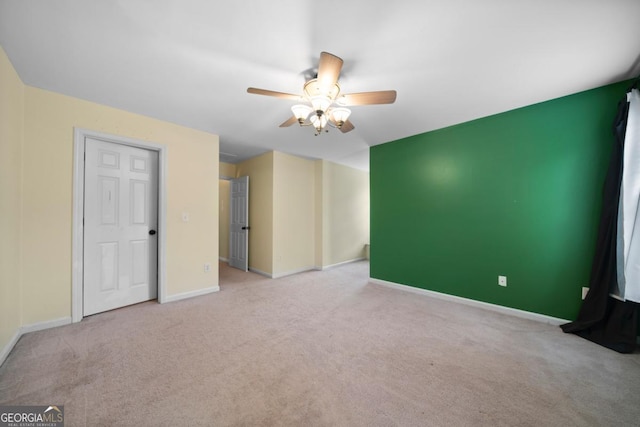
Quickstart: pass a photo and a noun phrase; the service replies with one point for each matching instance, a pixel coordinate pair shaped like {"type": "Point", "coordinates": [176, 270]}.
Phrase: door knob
{"type": "Point", "coordinates": [246, 228]}
{"type": "Point", "coordinates": [152, 232]}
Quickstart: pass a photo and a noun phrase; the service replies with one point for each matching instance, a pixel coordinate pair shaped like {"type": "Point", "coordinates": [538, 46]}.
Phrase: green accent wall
{"type": "Point", "coordinates": [515, 194]}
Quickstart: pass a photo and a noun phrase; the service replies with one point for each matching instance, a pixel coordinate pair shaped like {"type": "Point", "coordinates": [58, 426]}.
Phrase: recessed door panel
{"type": "Point", "coordinates": [109, 159]}
{"type": "Point", "coordinates": [109, 194]}
{"type": "Point", "coordinates": [138, 202]}
{"type": "Point", "coordinates": [108, 266]}
{"type": "Point", "coordinates": [139, 256]}
{"type": "Point", "coordinates": [138, 164]}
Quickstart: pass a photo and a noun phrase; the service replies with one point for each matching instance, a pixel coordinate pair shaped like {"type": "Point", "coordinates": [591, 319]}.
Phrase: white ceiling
{"type": "Point", "coordinates": [191, 61]}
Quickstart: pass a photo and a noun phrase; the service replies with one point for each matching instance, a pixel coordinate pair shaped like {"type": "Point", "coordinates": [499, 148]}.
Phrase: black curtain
{"type": "Point", "coordinates": [602, 319]}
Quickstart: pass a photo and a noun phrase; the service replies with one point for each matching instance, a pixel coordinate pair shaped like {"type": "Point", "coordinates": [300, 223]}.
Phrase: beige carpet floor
{"type": "Point", "coordinates": [319, 349]}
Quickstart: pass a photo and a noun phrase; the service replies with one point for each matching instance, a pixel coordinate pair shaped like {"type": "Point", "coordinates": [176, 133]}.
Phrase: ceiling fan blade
{"type": "Point", "coordinates": [291, 120]}
{"type": "Point", "coordinates": [346, 127]}
{"type": "Point", "coordinates": [368, 98]}
{"type": "Point", "coordinates": [328, 70]}
{"type": "Point", "coordinates": [266, 92]}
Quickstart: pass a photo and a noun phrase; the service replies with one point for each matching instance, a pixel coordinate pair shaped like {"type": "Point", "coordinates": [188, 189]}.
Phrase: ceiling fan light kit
{"type": "Point", "coordinates": [322, 93]}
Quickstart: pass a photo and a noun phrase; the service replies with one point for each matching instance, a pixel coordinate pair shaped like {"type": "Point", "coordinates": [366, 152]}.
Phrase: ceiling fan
{"type": "Point", "coordinates": [323, 103]}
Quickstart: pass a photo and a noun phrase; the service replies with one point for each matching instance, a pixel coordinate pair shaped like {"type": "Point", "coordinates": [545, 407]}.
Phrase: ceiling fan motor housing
{"type": "Point", "coordinates": [313, 88]}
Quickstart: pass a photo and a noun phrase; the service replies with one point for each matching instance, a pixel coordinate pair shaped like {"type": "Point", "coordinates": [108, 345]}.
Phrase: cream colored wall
{"type": "Point", "coordinates": [304, 214]}
{"type": "Point", "coordinates": [322, 214]}
{"type": "Point", "coordinates": [260, 171]}
{"type": "Point", "coordinates": [318, 169]}
{"type": "Point", "coordinates": [223, 218]}
{"type": "Point", "coordinates": [293, 214]}
{"type": "Point", "coordinates": [227, 170]}
{"type": "Point", "coordinates": [343, 213]}
{"type": "Point", "coordinates": [348, 213]}
{"type": "Point", "coordinates": [11, 137]}
{"type": "Point", "coordinates": [192, 173]}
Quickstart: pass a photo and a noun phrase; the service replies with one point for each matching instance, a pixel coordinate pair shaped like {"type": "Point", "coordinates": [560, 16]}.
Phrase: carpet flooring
{"type": "Point", "coordinates": [322, 348]}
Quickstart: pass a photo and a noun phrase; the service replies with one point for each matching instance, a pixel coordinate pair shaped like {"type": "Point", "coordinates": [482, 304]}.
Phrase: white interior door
{"type": "Point", "coordinates": [239, 223]}
{"type": "Point", "coordinates": [120, 223]}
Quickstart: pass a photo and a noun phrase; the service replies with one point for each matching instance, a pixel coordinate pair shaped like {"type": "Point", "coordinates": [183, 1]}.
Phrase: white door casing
{"type": "Point", "coordinates": [120, 226]}
{"type": "Point", "coordinates": [239, 223]}
{"type": "Point", "coordinates": [77, 298]}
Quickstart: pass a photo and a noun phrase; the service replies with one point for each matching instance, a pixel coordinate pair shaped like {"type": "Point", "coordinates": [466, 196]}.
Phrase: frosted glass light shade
{"type": "Point", "coordinates": [301, 111]}
{"type": "Point", "coordinates": [318, 122]}
{"type": "Point", "coordinates": [340, 114]}
{"type": "Point", "coordinates": [320, 103]}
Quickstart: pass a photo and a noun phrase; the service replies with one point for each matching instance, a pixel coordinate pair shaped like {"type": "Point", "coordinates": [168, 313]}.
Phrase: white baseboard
{"type": "Point", "coordinates": [31, 328]}
{"type": "Point", "coordinates": [279, 275]}
{"type": "Point", "coordinates": [9, 346]}
{"type": "Point", "coordinates": [260, 272]}
{"type": "Point", "coordinates": [302, 270]}
{"type": "Point", "coordinates": [291, 272]}
{"type": "Point", "coordinates": [473, 303]}
{"type": "Point", "coordinates": [223, 259]}
{"type": "Point", "coordinates": [191, 294]}
{"type": "Point", "coordinates": [328, 267]}
{"type": "Point", "coordinates": [46, 325]}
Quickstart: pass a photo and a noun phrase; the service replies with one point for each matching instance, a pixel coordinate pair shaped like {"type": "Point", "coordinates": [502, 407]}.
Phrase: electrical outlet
{"type": "Point", "coordinates": [207, 267]}
{"type": "Point", "coordinates": [502, 280]}
{"type": "Point", "coordinates": [585, 290]}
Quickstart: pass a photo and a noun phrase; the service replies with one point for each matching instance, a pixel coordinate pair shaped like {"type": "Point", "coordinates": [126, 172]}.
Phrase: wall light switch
{"type": "Point", "coordinates": [502, 280]}
{"type": "Point", "coordinates": [185, 216]}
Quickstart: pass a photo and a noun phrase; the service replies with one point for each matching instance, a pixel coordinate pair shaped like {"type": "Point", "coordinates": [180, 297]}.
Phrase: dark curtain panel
{"type": "Point", "coordinates": [603, 319]}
